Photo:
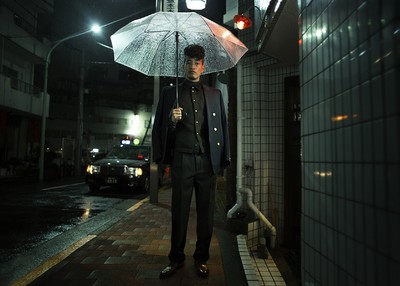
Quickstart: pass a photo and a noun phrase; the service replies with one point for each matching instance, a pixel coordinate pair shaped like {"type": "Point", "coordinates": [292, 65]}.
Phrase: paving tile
{"type": "Point", "coordinates": [117, 260]}
{"type": "Point", "coordinates": [94, 260]}
{"type": "Point", "coordinates": [133, 252]}
{"type": "Point", "coordinates": [252, 277]}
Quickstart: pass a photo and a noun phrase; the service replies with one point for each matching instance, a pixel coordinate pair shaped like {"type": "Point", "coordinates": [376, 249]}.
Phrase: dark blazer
{"type": "Point", "coordinates": [162, 140]}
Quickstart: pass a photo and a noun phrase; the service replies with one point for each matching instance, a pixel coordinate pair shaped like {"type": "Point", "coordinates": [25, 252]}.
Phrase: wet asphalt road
{"type": "Point", "coordinates": [31, 216]}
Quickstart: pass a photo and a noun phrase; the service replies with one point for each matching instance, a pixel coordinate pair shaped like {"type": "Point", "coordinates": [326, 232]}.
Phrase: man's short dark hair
{"type": "Point", "coordinates": [195, 51]}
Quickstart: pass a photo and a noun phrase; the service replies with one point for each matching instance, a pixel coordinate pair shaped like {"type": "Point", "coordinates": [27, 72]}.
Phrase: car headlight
{"type": "Point", "coordinates": [92, 169]}
{"type": "Point", "coordinates": [137, 172]}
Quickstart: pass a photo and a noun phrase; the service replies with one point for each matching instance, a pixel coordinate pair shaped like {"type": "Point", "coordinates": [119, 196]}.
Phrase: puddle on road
{"type": "Point", "coordinates": [42, 224]}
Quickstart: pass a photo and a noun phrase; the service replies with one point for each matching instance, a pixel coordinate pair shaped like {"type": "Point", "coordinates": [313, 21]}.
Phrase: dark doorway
{"type": "Point", "coordinates": [292, 199]}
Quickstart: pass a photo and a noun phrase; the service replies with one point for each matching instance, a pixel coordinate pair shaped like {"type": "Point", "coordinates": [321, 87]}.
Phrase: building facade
{"type": "Point", "coordinates": [23, 47]}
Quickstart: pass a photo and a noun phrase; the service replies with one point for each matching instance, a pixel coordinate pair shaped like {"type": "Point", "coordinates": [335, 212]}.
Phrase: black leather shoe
{"type": "Point", "coordinates": [170, 269]}
{"type": "Point", "coordinates": [201, 269]}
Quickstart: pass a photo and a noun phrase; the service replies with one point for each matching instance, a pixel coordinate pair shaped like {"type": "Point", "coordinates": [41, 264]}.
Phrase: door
{"type": "Point", "coordinates": [292, 200]}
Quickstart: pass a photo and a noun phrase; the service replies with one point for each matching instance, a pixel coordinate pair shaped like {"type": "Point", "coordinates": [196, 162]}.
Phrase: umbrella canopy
{"type": "Point", "coordinates": [154, 45]}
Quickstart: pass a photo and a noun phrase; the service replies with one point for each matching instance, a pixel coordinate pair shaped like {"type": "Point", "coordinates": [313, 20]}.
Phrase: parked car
{"type": "Point", "coordinates": [125, 166]}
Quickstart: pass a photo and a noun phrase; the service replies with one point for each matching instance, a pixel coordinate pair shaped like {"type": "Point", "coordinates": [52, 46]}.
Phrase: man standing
{"type": "Point", "coordinates": [193, 138]}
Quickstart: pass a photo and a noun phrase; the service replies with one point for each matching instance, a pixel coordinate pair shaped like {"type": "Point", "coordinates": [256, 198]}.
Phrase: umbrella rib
{"type": "Point", "coordinates": [167, 35]}
{"type": "Point", "coordinates": [173, 24]}
{"type": "Point", "coordinates": [216, 37]}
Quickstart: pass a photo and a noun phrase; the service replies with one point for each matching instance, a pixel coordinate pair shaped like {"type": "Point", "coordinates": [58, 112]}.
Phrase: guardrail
{"type": "Point", "coordinates": [23, 86]}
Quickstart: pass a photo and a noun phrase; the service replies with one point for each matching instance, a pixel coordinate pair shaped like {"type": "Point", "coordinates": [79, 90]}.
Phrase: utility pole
{"type": "Point", "coordinates": [166, 6]}
{"type": "Point", "coordinates": [154, 173]}
{"type": "Point", "coordinates": [79, 127]}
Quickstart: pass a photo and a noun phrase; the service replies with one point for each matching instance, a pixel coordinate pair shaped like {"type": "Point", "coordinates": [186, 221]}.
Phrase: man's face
{"type": "Point", "coordinates": [193, 68]}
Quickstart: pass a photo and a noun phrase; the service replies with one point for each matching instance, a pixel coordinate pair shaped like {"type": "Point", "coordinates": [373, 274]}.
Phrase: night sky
{"type": "Point", "coordinates": [74, 16]}
{"type": "Point", "coordinates": [78, 15]}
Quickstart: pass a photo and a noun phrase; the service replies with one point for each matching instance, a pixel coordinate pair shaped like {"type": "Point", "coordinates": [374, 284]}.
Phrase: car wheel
{"type": "Point", "coordinates": [94, 188]}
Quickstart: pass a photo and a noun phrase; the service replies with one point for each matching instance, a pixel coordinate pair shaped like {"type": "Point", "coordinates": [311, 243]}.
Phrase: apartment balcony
{"type": "Point", "coordinates": [18, 95]}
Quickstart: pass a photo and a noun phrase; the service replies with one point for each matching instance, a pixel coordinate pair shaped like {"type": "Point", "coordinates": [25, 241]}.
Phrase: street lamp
{"type": "Point", "coordinates": [196, 4]}
{"type": "Point", "coordinates": [44, 96]}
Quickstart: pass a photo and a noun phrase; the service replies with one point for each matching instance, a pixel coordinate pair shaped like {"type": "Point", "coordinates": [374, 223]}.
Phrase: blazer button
{"type": "Point", "coordinates": [214, 114]}
{"type": "Point", "coordinates": [218, 143]}
{"type": "Point", "coordinates": [215, 129]}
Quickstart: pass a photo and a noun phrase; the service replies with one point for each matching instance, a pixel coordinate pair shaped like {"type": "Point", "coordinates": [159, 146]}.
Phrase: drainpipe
{"type": "Point", "coordinates": [239, 124]}
{"type": "Point", "coordinates": [239, 171]}
{"type": "Point", "coordinates": [271, 228]}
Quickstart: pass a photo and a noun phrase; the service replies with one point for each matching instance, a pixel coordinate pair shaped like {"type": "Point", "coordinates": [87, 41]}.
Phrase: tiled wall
{"type": "Point", "coordinates": [350, 100]}
{"type": "Point", "coordinates": [263, 135]}
{"type": "Point", "coordinates": [263, 130]}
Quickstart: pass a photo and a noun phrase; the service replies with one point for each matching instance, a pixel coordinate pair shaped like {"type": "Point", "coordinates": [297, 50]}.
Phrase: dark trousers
{"type": "Point", "coordinates": [192, 171]}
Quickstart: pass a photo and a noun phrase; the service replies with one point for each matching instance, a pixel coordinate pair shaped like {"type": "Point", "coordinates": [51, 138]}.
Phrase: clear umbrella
{"type": "Point", "coordinates": [154, 45]}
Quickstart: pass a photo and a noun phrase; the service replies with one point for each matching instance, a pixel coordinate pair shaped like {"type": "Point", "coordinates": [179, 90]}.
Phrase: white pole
{"type": "Point", "coordinates": [154, 173]}
{"type": "Point", "coordinates": [239, 124]}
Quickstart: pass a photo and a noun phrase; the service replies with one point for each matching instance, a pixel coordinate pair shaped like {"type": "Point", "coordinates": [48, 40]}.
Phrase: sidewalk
{"type": "Point", "coordinates": [134, 250]}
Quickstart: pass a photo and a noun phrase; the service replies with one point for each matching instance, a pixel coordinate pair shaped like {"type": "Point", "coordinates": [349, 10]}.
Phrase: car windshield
{"type": "Point", "coordinates": [129, 152]}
